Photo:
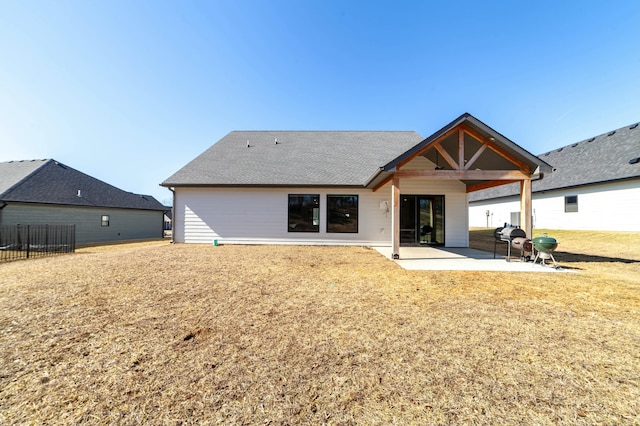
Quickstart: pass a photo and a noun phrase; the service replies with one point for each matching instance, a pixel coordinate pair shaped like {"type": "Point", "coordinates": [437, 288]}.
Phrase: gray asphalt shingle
{"type": "Point", "coordinates": [603, 158]}
{"type": "Point", "coordinates": [51, 182]}
{"type": "Point", "coordinates": [341, 158]}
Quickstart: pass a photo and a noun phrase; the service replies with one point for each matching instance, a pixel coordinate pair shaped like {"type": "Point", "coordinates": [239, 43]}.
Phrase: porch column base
{"type": "Point", "coordinates": [395, 256]}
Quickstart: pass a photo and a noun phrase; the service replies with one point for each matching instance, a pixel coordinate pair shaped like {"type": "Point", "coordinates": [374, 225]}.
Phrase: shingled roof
{"type": "Point", "coordinates": [332, 158]}
{"type": "Point", "coordinates": [294, 158]}
{"type": "Point", "coordinates": [51, 182]}
{"type": "Point", "coordinates": [608, 157]}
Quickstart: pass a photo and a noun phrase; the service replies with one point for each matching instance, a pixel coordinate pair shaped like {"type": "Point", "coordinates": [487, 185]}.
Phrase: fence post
{"type": "Point", "coordinates": [28, 239]}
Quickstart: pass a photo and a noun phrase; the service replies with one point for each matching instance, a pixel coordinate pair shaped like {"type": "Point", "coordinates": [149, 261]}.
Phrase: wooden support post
{"type": "Point", "coordinates": [526, 210]}
{"type": "Point", "coordinates": [460, 149]}
{"type": "Point", "coordinates": [395, 217]}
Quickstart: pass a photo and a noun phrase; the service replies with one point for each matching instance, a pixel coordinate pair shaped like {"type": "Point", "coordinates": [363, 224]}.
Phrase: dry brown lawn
{"type": "Point", "coordinates": [156, 333]}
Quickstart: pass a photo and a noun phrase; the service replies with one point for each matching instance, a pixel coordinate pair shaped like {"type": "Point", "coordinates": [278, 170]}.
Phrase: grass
{"type": "Point", "coordinates": [182, 334]}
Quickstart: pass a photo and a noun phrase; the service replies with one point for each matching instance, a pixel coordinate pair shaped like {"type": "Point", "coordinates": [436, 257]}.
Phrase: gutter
{"type": "Point", "coordinates": [373, 177]}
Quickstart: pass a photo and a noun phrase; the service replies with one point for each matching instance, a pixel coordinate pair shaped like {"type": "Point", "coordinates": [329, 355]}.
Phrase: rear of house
{"type": "Point", "coordinates": [346, 188]}
{"type": "Point", "coordinates": [320, 215]}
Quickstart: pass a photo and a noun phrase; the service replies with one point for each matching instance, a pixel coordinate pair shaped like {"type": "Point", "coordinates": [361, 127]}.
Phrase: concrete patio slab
{"type": "Point", "coordinates": [460, 259]}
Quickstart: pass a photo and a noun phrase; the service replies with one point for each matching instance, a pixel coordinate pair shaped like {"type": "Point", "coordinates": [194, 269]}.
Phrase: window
{"type": "Point", "coordinates": [342, 213]}
{"type": "Point", "coordinates": [304, 213]}
{"type": "Point", "coordinates": [105, 220]}
{"type": "Point", "coordinates": [570, 203]}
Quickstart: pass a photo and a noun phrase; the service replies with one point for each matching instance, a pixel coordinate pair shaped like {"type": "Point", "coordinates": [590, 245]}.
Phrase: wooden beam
{"type": "Point", "coordinates": [525, 207]}
{"type": "Point", "coordinates": [428, 146]}
{"type": "Point", "coordinates": [488, 184]}
{"type": "Point", "coordinates": [495, 149]}
{"type": "Point", "coordinates": [463, 174]}
{"type": "Point", "coordinates": [475, 157]}
{"type": "Point", "coordinates": [446, 156]}
{"type": "Point", "coordinates": [460, 149]}
{"type": "Point", "coordinates": [395, 217]}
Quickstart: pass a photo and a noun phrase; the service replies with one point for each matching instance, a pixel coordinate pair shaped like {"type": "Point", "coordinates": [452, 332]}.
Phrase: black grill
{"type": "Point", "coordinates": [513, 236]}
{"type": "Point", "coordinates": [508, 233]}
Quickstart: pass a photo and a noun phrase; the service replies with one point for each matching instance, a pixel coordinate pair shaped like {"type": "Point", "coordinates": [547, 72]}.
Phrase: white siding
{"type": "Point", "coordinates": [499, 213]}
{"type": "Point", "coordinates": [259, 215]}
{"type": "Point", "coordinates": [604, 207]}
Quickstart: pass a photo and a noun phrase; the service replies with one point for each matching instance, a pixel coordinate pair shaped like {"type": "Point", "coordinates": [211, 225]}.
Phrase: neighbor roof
{"type": "Point", "coordinates": [309, 158]}
{"type": "Point", "coordinates": [604, 158]}
{"type": "Point", "coordinates": [51, 182]}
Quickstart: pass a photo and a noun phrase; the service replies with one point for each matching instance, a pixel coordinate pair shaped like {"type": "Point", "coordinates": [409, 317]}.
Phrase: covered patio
{"type": "Point", "coordinates": [468, 151]}
{"type": "Point", "coordinates": [460, 259]}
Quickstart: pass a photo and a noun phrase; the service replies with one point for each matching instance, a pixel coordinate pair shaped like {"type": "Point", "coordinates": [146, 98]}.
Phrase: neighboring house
{"type": "Point", "coordinates": [595, 185]}
{"type": "Point", "coordinates": [168, 215]}
{"type": "Point", "coordinates": [344, 187]}
{"type": "Point", "coordinates": [49, 192]}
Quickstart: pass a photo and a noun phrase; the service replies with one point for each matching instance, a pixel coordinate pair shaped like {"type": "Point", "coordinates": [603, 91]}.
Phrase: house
{"type": "Point", "coordinates": [167, 218]}
{"type": "Point", "coordinates": [344, 187]}
{"type": "Point", "coordinates": [49, 192]}
{"type": "Point", "coordinates": [595, 185]}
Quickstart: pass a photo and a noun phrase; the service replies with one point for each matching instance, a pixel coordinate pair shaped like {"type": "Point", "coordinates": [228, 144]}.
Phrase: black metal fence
{"type": "Point", "coordinates": [28, 241]}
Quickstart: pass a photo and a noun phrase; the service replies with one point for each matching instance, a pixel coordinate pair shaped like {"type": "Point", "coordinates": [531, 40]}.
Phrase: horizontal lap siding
{"type": "Point", "coordinates": [606, 207]}
{"type": "Point", "coordinates": [259, 215]}
{"type": "Point", "coordinates": [248, 215]}
{"type": "Point", "coordinates": [499, 213]}
{"type": "Point", "coordinates": [124, 224]}
{"type": "Point", "coordinates": [612, 207]}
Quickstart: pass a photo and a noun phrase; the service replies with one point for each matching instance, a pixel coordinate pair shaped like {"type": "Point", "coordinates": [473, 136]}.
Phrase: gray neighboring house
{"type": "Point", "coordinates": [595, 185]}
{"type": "Point", "coordinates": [49, 192]}
{"type": "Point", "coordinates": [386, 188]}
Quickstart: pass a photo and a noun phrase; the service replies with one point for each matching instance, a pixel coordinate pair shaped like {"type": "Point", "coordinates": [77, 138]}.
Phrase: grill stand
{"type": "Point", "coordinates": [543, 258]}
{"type": "Point", "coordinates": [495, 246]}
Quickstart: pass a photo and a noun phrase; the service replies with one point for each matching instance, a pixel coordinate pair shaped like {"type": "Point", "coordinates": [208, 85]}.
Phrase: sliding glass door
{"type": "Point", "coordinates": [422, 219]}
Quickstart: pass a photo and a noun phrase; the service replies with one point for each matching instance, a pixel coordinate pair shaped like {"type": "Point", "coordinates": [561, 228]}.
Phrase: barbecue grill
{"type": "Point", "coordinates": [515, 237]}
{"type": "Point", "coordinates": [544, 247]}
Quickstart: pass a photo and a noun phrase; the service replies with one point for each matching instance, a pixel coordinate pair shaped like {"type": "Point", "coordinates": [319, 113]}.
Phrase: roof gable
{"type": "Point", "coordinates": [51, 182]}
{"type": "Point", "coordinates": [481, 132]}
{"type": "Point", "coordinates": [468, 150]}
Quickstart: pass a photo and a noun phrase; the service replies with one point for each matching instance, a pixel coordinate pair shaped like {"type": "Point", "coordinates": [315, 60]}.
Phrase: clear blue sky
{"type": "Point", "coordinates": [130, 91]}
